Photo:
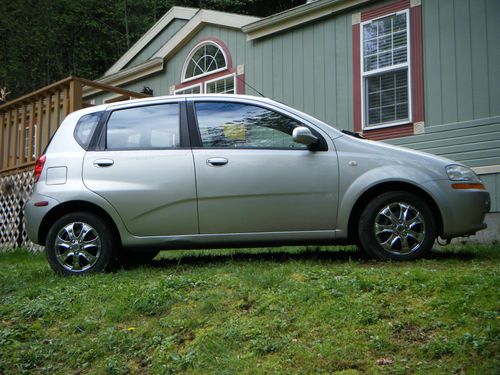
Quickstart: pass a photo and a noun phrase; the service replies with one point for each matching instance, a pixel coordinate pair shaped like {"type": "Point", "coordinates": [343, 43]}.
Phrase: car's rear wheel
{"type": "Point", "coordinates": [397, 225]}
{"type": "Point", "coordinates": [79, 243]}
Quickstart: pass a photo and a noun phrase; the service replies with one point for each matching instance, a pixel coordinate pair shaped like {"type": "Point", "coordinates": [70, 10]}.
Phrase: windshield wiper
{"type": "Point", "coordinates": [352, 134]}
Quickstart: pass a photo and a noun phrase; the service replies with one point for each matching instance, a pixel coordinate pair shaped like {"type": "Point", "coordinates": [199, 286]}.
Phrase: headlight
{"type": "Point", "coordinates": [461, 173]}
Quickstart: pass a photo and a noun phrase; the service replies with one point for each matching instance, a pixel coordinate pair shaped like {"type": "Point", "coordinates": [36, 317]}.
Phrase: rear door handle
{"type": "Point", "coordinates": [217, 162]}
{"type": "Point", "coordinates": [103, 163]}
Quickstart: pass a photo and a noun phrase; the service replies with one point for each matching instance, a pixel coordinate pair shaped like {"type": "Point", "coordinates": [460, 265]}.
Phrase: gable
{"type": "Point", "coordinates": [170, 33]}
{"type": "Point", "coordinates": [152, 47]}
{"type": "Point", "coordinates": [158, 30]}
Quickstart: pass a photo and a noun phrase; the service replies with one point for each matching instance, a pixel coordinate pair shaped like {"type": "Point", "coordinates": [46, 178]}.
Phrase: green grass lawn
{"type": "Point", "coordinates": [284, 310]}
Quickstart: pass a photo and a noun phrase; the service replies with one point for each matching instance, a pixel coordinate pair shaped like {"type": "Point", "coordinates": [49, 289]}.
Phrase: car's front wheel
{"type": "Point", "coordinates": [397, 225]}
{"type": "Point", "coordinates": [79, 243]}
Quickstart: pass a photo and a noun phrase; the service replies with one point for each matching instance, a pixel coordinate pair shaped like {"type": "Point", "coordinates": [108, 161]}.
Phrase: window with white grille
{"type": "Point", "coordinates": [385, 70]}
{"type": "Point", "coordinates": [206, 58]}
{"type": "Point", "coordinates": [224, 85]}
{"type": "Point", "coordinates": [196, 89]}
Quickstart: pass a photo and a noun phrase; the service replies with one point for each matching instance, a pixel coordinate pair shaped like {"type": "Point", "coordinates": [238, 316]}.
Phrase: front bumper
{"type": "Point", "coordinates": [462, 211]}
{"type": "Point", "coordinates": [35, 215]}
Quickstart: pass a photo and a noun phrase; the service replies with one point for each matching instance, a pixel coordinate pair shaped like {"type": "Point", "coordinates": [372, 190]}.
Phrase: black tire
{"type": "Point", "coordinates": [397, 225]}
{"type": "Point", "coordinates": [89, 248]}
{"type": "Point", "coordinates": [129, 257]}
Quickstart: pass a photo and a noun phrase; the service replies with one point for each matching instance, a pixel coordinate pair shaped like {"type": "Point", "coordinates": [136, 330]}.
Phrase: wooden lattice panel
{"type": "Point", "coordinates": [14, 192]}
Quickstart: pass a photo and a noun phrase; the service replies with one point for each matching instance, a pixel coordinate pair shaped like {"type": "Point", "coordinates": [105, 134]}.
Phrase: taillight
{"type": "Point", "coordinates": [40, 162]}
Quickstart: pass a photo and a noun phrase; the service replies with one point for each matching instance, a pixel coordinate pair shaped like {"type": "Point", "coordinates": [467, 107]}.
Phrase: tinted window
{"type": "Point", "coordinates": [85, 128]}
{"type": "Point", "coordinates": [235, 125]}
{"type": "Point", "coordinates": [155, 126]}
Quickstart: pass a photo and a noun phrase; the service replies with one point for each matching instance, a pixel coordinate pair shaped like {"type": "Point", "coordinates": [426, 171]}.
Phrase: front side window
{"type": "Point", "coordinates": [149, 127]}
{"type": "Point", "coordinates": [385, 66]}
{"type": "Point", "coordinates": [237, 125]}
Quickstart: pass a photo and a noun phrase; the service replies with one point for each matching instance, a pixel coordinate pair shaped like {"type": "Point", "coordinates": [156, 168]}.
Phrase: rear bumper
{"type": "Point", "coordinates": [35, 215]}
{"type": "Point", "coordinates": [462, 211]}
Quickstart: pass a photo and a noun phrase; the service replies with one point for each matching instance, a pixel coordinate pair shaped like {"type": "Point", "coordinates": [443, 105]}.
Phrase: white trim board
{"type": "Point", "coordinates": [297, 16]}
{"type": "Point", "coordinates": [488, 169]}
{"type": "Point", "coordinates": [124, 76]}
{"type": "Point", "coordinates": [174, 12]}
{"type": "Point", "coordinates": [202, 17]}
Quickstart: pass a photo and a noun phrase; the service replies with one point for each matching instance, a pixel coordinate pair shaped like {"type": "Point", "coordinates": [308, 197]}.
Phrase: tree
{"type": "Point", "coordinates": [46, 40]}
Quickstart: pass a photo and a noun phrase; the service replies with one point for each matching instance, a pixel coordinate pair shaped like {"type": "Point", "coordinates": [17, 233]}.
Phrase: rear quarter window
{"type": "Point", "coordinates": [85, 128]}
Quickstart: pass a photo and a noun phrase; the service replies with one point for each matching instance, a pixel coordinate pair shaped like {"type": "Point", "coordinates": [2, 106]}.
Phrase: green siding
{"type": "Point", "coordinates": [461, 60]}
{"type": "Point", "coordinates": [492, 182]}
{"type": "Point", "coordinates": [158, 42]}
{"type": "Point", "coordinates": [475, 143]}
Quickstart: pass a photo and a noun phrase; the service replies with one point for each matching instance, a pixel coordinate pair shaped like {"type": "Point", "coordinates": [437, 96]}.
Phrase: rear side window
{"type": "Point", "coordinates": [85, 128]}
{"type": "Point", "coordinates": [149, 127]}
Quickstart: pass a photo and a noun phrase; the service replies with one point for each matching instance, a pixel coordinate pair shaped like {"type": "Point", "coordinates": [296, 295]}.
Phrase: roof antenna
{"type": "Point", "coordinates": [249, 85]}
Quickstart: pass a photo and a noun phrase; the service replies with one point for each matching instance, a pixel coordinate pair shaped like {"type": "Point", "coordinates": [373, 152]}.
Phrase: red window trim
{"type": "Point", "coordinates": [416, 74]}
{"type": "Point", "coordinates": [240, 78]}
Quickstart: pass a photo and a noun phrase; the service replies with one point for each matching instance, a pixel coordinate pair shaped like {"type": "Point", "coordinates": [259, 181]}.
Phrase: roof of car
{"type": "Point", "coordinates": [160, 99]}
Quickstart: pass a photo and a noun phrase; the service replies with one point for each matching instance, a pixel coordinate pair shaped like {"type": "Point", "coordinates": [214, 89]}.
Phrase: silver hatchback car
{"type": "Point", "coordinates": [213, 171]}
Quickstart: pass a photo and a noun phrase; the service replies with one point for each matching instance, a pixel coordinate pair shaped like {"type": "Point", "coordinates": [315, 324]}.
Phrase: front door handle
{"type": "Point", "coordinates": [217, 162]}
{"type": "Point", "coordinates": [103, 163]}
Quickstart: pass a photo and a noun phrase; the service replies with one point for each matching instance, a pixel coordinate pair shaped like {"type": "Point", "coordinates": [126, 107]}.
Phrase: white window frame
{"type": "Point", "coordinates": [220, 78]}
{"type": "Point", "coordinates": [176, 92]}
{"type": "Point", "coordinates": [191, 54]}
{"type": "Point", "coordinates": [370, 73]}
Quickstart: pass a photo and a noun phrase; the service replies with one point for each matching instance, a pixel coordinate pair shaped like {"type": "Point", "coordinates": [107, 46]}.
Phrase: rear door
{"type": "Point", "coordinates": [145, 169]}
{"type": "Point", "coordinates": [253, 178]}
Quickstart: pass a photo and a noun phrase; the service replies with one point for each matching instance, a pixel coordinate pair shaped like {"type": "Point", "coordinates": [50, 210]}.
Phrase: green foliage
{"type": "Point", "coordinates": [43, 41]}
{"type": "Point", "coordinates": [280, 310]}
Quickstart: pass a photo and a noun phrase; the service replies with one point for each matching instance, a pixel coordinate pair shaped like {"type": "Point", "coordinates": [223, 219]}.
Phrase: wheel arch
{"type": "Point", "coordinates": [74, 206]}
{"type": "Point", "coordinates": [385, 187]}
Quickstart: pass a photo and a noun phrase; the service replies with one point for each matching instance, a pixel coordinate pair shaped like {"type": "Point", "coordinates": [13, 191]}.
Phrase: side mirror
{"type": "Point", "coordinates": [303, 135]}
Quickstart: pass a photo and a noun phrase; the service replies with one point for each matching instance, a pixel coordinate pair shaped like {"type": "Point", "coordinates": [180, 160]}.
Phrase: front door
{"type": "Point", "coordinates": [144, 172]}
{"type": "Point", "coordinates": [252, 177]}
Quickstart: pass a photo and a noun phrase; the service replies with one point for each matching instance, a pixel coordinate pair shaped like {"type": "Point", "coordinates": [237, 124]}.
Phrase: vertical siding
{"type": "Point", "coordinates": [298, 68]}
{"type": "Point", "coordinates": [308, 56]}
{"type": "Point", "coordinates": [448, 60]}
{"type": "Point", "coordinates": [288, 77]}
{"type": "Point", "coordinates": [343, 67]}
{"type": "Point", "coordinates": [330, 74]}
{"type": "Point", "coordinates": [461, 60]}
{"type": "Point", "coordinates": [493, 33]}
{"type": "Point", "coordinates": [319, 70]}
{"type": "Point", "coordinates": [432, 48]}
{"type": "Point", "coordinates": [492, 182]}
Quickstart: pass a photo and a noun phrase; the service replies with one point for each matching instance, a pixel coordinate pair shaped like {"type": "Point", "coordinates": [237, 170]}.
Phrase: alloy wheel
{"type": "Point", "coordinates": [399, 228]}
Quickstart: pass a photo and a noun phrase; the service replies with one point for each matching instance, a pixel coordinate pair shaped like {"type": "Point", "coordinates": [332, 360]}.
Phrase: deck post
{"type": "Point", "coordinates": [75, 96]}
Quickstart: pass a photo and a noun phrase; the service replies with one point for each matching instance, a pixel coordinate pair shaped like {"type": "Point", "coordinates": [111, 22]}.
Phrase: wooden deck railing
{"type": "Point", "coordinates": [27, 123]}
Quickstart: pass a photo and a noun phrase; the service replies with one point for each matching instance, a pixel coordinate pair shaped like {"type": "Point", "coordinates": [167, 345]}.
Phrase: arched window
{"type": "Point", "coordinates": [206, 58]}
{"type": "Point", "coordinates": [208, 69]}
